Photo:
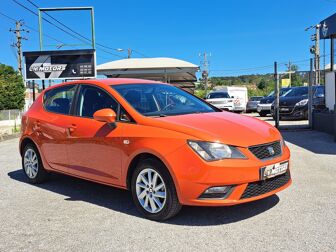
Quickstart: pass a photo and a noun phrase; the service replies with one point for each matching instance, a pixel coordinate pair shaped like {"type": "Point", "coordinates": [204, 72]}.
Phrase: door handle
{"type": "Point", "coordinates": [71, 129]}
{"type": "Point", "coordinates": [37, 126]}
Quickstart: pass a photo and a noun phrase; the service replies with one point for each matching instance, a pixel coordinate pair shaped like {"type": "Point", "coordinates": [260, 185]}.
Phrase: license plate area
{"type": "Point", "coordinates": [273, 170]}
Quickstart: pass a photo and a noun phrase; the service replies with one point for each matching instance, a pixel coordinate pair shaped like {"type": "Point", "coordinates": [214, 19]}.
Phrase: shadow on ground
{"type": "Point", "coordinates": [314, 141]}
{"type": "Point", "coordinates": [120, 200]}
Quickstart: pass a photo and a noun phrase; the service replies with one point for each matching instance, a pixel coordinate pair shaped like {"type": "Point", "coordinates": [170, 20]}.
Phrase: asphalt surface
{"type": "Point", "coordinates": [68, 214]}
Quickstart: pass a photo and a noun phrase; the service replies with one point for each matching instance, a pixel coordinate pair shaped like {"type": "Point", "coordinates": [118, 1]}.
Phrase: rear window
{"type": "Point", "coordinates": [59, 100]}
{"type": "Point", "coordinates": [218, 95]}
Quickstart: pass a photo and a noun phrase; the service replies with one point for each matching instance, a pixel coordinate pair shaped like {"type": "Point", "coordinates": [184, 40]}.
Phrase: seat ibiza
{"type": "Point", "coordinates": [168, 147]}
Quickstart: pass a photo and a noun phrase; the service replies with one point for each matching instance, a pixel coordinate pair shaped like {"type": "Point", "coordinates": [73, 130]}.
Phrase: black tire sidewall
{"type": "Point", "coordinates": [171, 197]}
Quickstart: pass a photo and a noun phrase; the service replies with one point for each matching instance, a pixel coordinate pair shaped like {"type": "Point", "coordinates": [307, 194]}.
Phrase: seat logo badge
{"type": "Point", "coordinates": [126, 141]}
{"type": "Point", "coordinates": [270, 150]}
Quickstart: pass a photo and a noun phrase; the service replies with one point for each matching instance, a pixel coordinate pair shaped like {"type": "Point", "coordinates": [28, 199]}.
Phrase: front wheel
{"type": "Point", "coordinates": [153, 191]}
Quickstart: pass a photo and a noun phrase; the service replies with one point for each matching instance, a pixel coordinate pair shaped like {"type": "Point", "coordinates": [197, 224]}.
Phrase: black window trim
{"type": "Point", "coordinates": [72, 103]}
{"type": "Point", "coordinates": [74, 108]}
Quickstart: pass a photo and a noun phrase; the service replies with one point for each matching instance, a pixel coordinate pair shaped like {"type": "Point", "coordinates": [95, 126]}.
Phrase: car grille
{"type": "Point", "coordinates": [261, 187]}
{"type": "Point", "coordinates": [264, 151]}
{"type": "Point", "coordinates": [218, 102]}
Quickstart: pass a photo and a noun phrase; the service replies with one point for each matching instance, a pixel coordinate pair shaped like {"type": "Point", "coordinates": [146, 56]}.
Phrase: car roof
{"type": "Point", "coordinates": [107, 82]}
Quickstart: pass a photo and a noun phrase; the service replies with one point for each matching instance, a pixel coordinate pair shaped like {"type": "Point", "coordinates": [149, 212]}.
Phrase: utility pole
{"type": "Point", "coordinates": [289, 65]}
{"type": "Point", "coordinates": [317, 55]}
{"type": "Point", "coordinates": [205, 71]}
{"type": "Point", "coordinates": [18, 43]}
{"type": "Point", "coordinates": [315, 49]}
{"type": "Point", "coordinates": [277, 91]}
{"type": "Point", "coordinates": [129, 53]}
{"type": "Point", "coordinates": [310, 95]}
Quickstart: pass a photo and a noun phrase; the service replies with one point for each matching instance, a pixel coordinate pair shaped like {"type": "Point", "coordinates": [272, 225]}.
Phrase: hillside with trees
{"type": "Point", "coordinates": [257, 84]}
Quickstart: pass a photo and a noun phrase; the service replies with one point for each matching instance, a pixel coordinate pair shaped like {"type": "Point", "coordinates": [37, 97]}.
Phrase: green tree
{"type": "Point", "coordinates": [262, 84]}
{"type": "Point", "coordinates": [12, 90]}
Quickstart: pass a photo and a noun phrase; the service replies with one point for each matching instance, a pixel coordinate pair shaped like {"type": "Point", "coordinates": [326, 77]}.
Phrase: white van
{"type": "Point", "coordinates": [236, 101]}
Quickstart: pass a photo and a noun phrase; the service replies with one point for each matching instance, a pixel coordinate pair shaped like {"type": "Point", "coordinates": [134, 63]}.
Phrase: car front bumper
{"type": "Point", "coordinates": [193, 176]}
{"type": "Point", "coordinates": [264, 108]}
{"type": "Point", "coordinates": [291, 111]}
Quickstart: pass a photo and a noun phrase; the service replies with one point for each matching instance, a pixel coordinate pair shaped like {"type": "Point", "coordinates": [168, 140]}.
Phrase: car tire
{"type": "Point", "coordinates": [262, 114]}
{"type": "Point", "coordinates": [144, 190]}
{"type": "Point", "coordinates": [32, 165]}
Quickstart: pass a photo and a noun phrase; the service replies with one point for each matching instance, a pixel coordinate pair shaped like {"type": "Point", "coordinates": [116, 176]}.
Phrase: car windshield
{"type": "Point", "coordinates": [271, 94]}
{"type": "Point", "coordinates": [161, 100]}
{"type": "Point", "coordinates": [298, 91]}
{"type": "Point", "coordinates": [282, 92]}
{"type": "Point", "coordinates": [218, 95]}
{"type": "Point", "coordinates": [256, 98]}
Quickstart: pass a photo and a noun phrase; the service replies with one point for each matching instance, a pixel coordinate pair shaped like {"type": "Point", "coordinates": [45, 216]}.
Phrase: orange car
{"type": "Point", "coordinates": [167, 146]}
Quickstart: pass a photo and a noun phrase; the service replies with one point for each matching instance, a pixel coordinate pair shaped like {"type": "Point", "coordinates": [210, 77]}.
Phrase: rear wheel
{"type": "Point", "coordinates": [262, 114]}
{"type": "Point", "coordinates": [32, 165]}
{"type": "Point", "coordinates": [153, 191]}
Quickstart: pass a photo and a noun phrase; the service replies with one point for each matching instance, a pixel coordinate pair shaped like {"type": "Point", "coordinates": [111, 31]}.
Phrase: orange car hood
{"type": "Point", "coordinates": [228, 128]}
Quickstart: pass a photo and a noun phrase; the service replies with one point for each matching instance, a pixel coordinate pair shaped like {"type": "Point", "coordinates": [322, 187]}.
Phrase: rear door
{"type": "Point", "coordinates": [52, 125]}
{"type": "Point", "coordinates": [94, 149]}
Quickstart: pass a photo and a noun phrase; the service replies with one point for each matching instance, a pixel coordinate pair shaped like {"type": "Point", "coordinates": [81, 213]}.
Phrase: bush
{"type": "Point", "coordinates": [12, 90]}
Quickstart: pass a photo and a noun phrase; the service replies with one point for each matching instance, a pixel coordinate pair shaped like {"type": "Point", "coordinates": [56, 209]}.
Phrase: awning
{"type": "Point", "coordinates": [174, 71]}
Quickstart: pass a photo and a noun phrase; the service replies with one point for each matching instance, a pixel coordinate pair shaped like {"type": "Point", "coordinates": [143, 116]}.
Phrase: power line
{"type": "Point", "coordinates": [86, 38]}
{"type": "Point", "coordinates": [31, 28]}
{"type": "Point", "coordinates": [46, 35]}
{"type": "Point", "coordinates": [65, 31]}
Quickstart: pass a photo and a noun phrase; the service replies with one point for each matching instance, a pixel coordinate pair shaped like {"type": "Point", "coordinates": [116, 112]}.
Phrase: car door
{"type": "Point", "coordinates": [94, 147]}
{"type": "Point", "coordinates": [52, 124]}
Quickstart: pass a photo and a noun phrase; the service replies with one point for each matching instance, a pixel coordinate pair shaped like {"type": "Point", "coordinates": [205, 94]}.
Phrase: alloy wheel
{"type": "Point", "coordinates": [151, 190]}
{"type": "Point", "coordinates": [30, 163]}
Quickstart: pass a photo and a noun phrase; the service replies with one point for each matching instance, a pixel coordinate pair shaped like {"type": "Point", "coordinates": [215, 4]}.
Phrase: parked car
{"type": "Point", "coordinates": [252, 104]}
{"type": "Point", "coordinates": [264, 106]}
{"type": "Point", "coordinates": [168, 147]}
{"type": "Point", "coordinates": [221, 100]}
{"type": "Point", "coordinates": [239, 95]}
{"type": "Point", "coordinates": [294, 104]}
{"type": "Point", "coordinates": [319, 97]}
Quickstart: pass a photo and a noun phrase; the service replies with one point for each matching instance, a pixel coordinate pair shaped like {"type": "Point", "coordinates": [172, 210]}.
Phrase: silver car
{"type": "Point", "coordinates": [252, 104]}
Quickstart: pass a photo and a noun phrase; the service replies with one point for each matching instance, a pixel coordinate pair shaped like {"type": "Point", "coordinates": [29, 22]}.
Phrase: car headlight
{"type": "Point", "coordinates": [302, 103]}
{"type": "Point", "coordinates": [214, 151]}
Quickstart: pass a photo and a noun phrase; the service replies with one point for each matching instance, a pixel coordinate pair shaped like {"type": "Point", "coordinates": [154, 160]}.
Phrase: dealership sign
{"type": "Point", "coordinates": [65, 64]}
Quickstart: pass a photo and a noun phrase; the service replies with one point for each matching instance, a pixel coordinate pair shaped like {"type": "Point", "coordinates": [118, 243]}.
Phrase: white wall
{"type": "Point", "coordinates": [330, 90]}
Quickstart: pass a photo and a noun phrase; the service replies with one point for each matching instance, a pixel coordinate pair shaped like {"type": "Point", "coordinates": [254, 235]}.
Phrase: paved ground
{"type": "Point", "coordinates": [75, 215]}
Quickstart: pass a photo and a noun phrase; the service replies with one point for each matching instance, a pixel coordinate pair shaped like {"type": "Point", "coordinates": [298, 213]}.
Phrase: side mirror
{"type": "Point", "coordinates": [105, 115]}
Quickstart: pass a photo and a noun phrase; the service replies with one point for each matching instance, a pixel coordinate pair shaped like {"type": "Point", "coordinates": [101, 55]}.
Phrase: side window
{"type": "Point", "coordinates": [59, 100]}
{"type": "Point", "coordinates": [92, 99]}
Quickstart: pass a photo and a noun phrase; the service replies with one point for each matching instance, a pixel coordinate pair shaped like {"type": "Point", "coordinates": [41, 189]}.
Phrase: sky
{"type": "Point", "coordinates": [242, 36]}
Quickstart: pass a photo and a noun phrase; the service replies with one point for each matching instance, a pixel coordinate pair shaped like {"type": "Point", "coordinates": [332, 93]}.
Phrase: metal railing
{"type": "Point", "coordinates": [10, 121]}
